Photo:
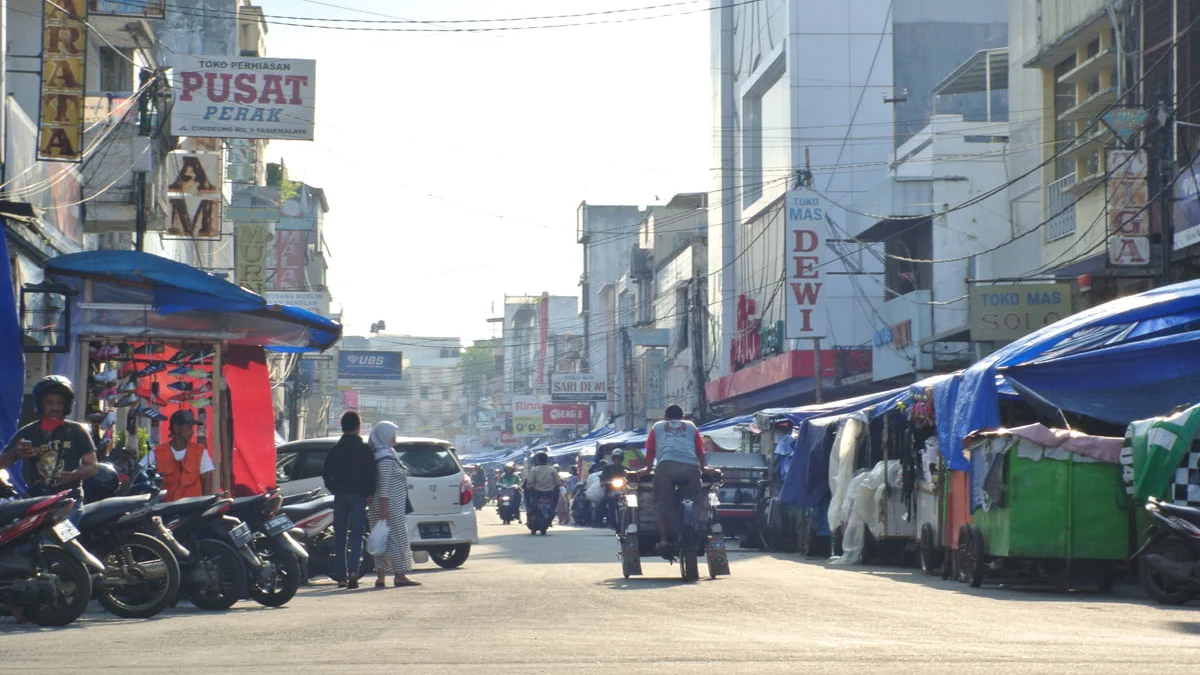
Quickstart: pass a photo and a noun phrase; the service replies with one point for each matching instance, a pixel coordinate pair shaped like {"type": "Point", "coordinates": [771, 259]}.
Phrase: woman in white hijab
{"type": "Point", "coordinates": [391, 502]}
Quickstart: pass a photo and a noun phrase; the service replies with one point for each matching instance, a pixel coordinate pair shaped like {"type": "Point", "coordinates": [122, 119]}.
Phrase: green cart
{"type": "Point", "coordinates": [1047, 513]}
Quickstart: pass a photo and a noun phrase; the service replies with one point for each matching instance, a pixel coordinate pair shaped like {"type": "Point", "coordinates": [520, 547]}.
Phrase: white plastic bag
{"type": "Point", "coordinates": [377, 540]}
{"type": "Point", "coordinates": [595, 489]}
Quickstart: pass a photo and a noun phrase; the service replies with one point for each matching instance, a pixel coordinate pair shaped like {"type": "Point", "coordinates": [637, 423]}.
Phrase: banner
{"type": "Point", "coordinates": [64, 60]}
{"type": "Point", "coordinates": [244, 97]}
{"type": "Point", "coordinates": [365, 368]}
{"type": "Point", "coordinates": [146, 9]}
{"type": "Point", "coordinates": [289, 260]}
{"type": "Point", "coordinates": [566, 414]}
{"type": "Point", "coordinates": [250, 255]}
{"type": "Point", "coordinates": [807, 251]}
{"type": "Point", "coordinates": [527, 416]}
{"type": "Point", "coordinates": [578, 388]}
{"type": "Point", "coordinates": [1128, 213]}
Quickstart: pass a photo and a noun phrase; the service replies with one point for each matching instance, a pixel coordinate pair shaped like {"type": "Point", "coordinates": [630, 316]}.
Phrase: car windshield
{"type": "Point", "coordinates": [427, 460]}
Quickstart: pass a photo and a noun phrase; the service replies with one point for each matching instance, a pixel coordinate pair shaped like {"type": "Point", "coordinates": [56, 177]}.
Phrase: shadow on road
{"type": "Point", "coordinates": [1192, 627]}
{"type": "Point", "coordinates": [561, 545]}
{"type": "Point", "coordinates": [644, 583]}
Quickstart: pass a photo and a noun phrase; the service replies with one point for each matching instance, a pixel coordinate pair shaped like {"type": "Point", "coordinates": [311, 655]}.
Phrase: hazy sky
{"type": "Point", "coordinates": [454, 162]}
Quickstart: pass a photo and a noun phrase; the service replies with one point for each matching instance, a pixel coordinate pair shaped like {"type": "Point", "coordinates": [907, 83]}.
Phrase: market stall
{"type": "Point", "coordinates": [151, 336]}
{"type": "Point", "coordinates": [1045, 506]}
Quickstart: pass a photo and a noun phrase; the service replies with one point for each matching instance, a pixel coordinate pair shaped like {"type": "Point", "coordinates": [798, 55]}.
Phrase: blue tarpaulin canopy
{"type": "Point", "coordinates": [186, 302]}
{"type": "Point", "coordinates": [798, 415]}
{"type": "Point", "coordinates": [972, 402]}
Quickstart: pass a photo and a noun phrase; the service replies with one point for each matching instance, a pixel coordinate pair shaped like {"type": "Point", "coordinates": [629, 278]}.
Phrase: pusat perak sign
{"type": "Point", "coordinates": [578, 388]}
{"type": "Point", "coordinates": [220, 97]}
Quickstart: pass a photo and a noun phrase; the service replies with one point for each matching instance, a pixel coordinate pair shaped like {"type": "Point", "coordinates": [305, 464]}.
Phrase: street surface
{"type": "Point", "coordinates": [527, 604]}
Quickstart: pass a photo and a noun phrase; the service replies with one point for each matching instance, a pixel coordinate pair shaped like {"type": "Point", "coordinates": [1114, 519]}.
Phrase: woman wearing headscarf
{"type": "Point", "coordinates": [390, 502]}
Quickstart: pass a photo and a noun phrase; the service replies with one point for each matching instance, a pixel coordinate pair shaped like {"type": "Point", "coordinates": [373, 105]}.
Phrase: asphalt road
{"type": "Point", "coordinates": [527, 604]}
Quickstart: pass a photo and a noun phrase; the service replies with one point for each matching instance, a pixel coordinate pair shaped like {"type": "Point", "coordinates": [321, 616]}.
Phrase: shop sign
{"type": "Point", "coordinates": [527, 416]}
{"type": "Point", "coordinates": [578, 388]}
{"type": "Point", "coordinates": [64, 59]}
{"type": "Point", "coordinates": [1128, 213]}
{"type": "Point", "coordinates": [194, 194]}
{"type": "Point", "coordinates": [221, 97]}
{"type": "Point", "coordinates": [1187, 207]}
{"type": "Point", "coordinates": [289, 260]}
{"type": "Point", "coordinates": [565, 414]}
{"type": "Point", "coordinates": [146, 9]}
{"type": "Point", "coordinates": [752, 340]}
{"type": "Point", "coordinates": [1002, 313]}
{"type": "Point", "coordinates": [653, 383]}
{"type": "Point", "coordinates": [897, 345]}
{"type": "Point", "coordinates": [807, 250]}
{"type": "Point", "coordinates": [313, 301]}
{"type": "Point", "coordinates": [508, 438]}
{"type": "Point", "coordinates": [357, 367]}
{"type": "Point", "coordinates": [250, 255]}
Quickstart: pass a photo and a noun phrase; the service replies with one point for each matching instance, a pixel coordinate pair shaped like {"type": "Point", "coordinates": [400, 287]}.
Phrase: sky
{"type": "Point", "coordinates": [454, 162]}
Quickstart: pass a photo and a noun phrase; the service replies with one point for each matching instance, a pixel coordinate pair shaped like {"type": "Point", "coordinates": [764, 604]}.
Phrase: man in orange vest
{"type": "Point", "coordinates": [186, 467]}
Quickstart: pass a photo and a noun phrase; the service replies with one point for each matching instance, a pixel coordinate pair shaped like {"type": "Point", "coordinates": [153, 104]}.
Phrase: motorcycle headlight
{"type": "Point", "coordinates": [618, 483]}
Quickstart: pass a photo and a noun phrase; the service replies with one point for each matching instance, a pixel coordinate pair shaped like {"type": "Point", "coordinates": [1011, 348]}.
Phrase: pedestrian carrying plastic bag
{"type": "Point", "coordinates": [377, 540]}
{"type": "Point", "coordinates": [595, 489]}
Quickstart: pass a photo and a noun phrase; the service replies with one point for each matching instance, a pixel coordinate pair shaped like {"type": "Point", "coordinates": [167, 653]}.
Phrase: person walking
{"type": "Point", "coordinates": [350, 476]}
{"type": "Point", "coordinates": [391, 504]}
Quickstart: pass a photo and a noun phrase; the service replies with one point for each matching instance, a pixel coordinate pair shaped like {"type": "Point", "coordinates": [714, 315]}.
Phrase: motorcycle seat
{"type": "Point", "coordinates": [107, 510]}
{"type": "Point", "coordinates": [305, 509]}
{"type": "Point", "coordinates": [11, 510]}
{"type": "Point", "coordinates": [302, 497]}
{"type": "Point", "coordinates": [1186, 512]}
{"type": "Point", "coordinates": [184, 506]}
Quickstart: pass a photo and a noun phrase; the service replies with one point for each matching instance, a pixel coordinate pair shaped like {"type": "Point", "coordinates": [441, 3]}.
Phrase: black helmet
{"type": "Point", "coordinates": [541, 457]}
{"type": "Point", "coordinates": [52, 384]}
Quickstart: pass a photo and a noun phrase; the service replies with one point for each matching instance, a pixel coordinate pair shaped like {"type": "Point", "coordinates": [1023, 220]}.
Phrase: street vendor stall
{"type": "Point", "coordinates": [1044, 505]}
{"type": "Point", "coordinates": [150, 336]}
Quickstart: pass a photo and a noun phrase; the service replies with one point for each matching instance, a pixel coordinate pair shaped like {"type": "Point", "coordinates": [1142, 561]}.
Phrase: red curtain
{"type": "Point", "coordinates": [253, 419]}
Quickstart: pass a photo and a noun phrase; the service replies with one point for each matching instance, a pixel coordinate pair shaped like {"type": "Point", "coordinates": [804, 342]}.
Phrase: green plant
{"type": "Point", "coordinates": [143, 436]}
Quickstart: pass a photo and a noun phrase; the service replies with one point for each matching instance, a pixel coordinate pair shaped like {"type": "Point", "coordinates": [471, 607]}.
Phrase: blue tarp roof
{"type": "Point", "coordinates": [178, 290]}
{"type": "Point", "coordinates": [798, 415]}
{"type": "Point", "coordinates": [716, 425]}
{"type": "Point", "coordinates": [974, 399]}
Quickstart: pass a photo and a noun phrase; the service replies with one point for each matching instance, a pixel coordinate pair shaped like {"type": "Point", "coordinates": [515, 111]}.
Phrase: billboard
{"type": "Point", "coordinates": [566, 414]}
{"type": "Point", "coordinates": [289, 260]}
{"type": "Point", "coordinates": [146, 9]}
{"type": "Point", "coordinates": [807, 231]}
{"type": "Point", "coordinates": [313, 301]}
{"type": "Point", "coordinates": [1001, 313]}
{"type": "Point", "coordinates": [1128, 213]}
{"type": "Point", "coordinates": [578, 388]}
{"type": "Point", "coordinates": [250, 255]}
{"type": "Point", "coordinates": [527, 416]}
{"type": "Point", "coordinates": [64, 58]}
{"type": "Point", "coordinates": [221, 97]}
{"type": "Point", "coordinates": [1187, 206]}
{"type": "Point", "coordinates": [194, 194]}
{"type": "Point", "coordinates": [369, 368]}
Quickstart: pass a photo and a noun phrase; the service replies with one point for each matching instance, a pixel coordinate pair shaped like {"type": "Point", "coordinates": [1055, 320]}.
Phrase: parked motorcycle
{"type": "Point", "coordinates": [313, 529]}
{"type": "Point", "coordinates": [141, 574]}
{"type": "Point", "coordinates": [541, 512]}
{"type": "Point", "coordinates": [214, 575]}
{"type": "Point", "coordinates": [581, 508]}
{"type": "Point", "coordinates": [1169, 564]}
{"type": "Point", "coordinates": [44, 573]}
{"type": "Point", "coordinates": [276, 580]}
{"type": "Point", "coordinates": [507, 505]}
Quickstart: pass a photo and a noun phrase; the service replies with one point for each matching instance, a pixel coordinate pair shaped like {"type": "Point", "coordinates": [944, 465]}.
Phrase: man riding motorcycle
{"type": "Point", "coordinates": [614, 469]}
{"type": "Point", "coordinates": [541, 479]}
{"type": "Point", "coordinates": [676, 445]}
{"type": "Point", "coordinates": [510, 479]}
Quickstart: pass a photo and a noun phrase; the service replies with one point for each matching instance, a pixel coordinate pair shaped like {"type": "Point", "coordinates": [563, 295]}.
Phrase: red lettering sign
{"type": "Point", "coordinates": [747, 342]}
{"type": "Point", "coordinates": [565, 414]}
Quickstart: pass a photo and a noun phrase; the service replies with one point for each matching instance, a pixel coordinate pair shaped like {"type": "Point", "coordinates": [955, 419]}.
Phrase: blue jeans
{"type": "Point", "coordinates": [349, 518]}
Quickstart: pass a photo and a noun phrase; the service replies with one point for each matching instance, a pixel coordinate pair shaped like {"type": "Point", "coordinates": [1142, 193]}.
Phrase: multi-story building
{"type": "Point", "coordinates": [781, 105]}
{"type": "Point", "coordinates": [543, 337]}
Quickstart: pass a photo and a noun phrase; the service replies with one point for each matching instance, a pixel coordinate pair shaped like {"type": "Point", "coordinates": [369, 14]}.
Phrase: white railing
{"type": "Point", "coordinates": [1060, 209]}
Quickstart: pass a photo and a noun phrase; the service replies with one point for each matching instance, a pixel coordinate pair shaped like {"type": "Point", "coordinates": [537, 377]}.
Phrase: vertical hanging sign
{"type": "Point", "coordinates": [807, 253]}
{"type": "Point", "coordinates": [64, 57]}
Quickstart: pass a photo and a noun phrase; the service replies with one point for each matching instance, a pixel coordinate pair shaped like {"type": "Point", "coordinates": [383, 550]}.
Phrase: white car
{"type": "Point", "coordinates": [443, 518]}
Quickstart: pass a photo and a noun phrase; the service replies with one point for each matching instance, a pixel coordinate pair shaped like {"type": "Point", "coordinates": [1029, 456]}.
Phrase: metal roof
{"type": "Point", "coordinates": [970, 77]}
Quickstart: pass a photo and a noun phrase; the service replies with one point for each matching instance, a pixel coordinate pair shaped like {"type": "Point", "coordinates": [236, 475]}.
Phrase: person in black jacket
{"type": "Point", "coordinates": [349, 475]}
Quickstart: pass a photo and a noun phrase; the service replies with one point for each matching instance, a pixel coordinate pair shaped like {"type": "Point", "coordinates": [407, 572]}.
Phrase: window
{"type": "Point", "coordinates": [424, 460]}
{"type": "Point", "coordinates": [116, 70]}
{"type": "Point", "coordinates": [449, 353]}
{"type": "Point", "coordinates": [446, 395]}
{"type": "Point", "coordinates": [311, 464]}
{"type": "Point", "coordinates": [285, 465]}
{"type": "Point", "coordinates": [1064, 130]}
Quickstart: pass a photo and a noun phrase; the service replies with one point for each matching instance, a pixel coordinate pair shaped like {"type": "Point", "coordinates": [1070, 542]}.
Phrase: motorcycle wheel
{"type": "Point", "coordinates": [1156, 585]}
{"type": "Point", "coordinates": [217, 576]}
{"type": "Point", "coordinates": [154, 583]}
{"type": "Point", "coordinates": [76, 589]}
{"type": "Point", "coordinates": [283, 584]}
{"type": "Point", "coordinates": [450, 557]}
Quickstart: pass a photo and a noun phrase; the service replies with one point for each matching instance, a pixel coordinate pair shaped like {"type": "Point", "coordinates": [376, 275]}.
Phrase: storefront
{"type": "Point", "coordinates": [148, 336]}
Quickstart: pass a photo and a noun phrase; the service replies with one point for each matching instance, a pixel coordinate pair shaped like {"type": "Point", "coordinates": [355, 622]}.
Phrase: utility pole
{"type": "Point", "coordinates": [698, 331]}
{"type": "Point", "coordinates": [1166, 173]}
{"type": "Point", "coordinates": [145, 129]}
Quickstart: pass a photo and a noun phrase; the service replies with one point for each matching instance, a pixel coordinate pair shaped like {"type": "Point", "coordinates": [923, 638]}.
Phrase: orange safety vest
{"type": "Point", "coordinates": [180, 479]}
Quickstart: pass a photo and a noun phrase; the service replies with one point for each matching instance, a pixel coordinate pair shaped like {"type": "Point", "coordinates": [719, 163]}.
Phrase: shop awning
{"type": "Point", "coordinates": [798, 415]}
{"type": "Point", "coordinates": [135, 294]}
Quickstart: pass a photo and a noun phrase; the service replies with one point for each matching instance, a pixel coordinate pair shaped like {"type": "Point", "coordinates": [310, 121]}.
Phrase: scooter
{"type": "Point", "coordinates": [581, 508]}
{"type": "Point", "coordinates": [541, 512]}
{"type": "Point", "coordinates": [44, 573]}
{"type": "Point", "coordinates": [480, 497]}
{"type": "Point", "coordinates": [1169, 565]}
{"type": "Point", "coordinates": [507, 506]}
{"type": "Point", "coordinates": [313, 518]}
{"type": "Point", "coordinates": [214, 575]}
{"type": "Point", "coordinates": [275, 581]}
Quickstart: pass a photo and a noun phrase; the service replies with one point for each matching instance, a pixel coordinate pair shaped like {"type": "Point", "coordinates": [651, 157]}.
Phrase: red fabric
{"type": "Point", "coordinates": [48, 425]}
{"type": "Point", "coordinates": [253, 421]}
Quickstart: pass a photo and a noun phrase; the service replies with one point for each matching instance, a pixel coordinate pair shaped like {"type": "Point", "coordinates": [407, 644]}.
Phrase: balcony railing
{"type": "Point", "coordinates": [1059, 208]}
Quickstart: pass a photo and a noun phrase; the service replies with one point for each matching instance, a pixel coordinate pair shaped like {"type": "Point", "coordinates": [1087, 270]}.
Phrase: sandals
{"type": "Point", "coordinates": [380, 584]}
{"type": "Point", "coordinates": [407, 582]}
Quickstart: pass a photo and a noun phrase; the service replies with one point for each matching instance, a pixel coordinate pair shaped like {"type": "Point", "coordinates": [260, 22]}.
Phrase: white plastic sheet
{"type": "Point", "coordinates": [865, 496]}
{"type": "Point", "coordinates": [841, 466]}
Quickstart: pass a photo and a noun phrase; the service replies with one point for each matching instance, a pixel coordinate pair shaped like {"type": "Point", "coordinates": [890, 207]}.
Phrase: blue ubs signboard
{"type": "Point", "coordinates": [370, 366]}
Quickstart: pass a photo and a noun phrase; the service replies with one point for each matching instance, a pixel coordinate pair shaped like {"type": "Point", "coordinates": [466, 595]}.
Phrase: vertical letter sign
{"type": "Point", "coordinates": [64, 54]}
{"type": "Point", "coordinates": [807, 254]}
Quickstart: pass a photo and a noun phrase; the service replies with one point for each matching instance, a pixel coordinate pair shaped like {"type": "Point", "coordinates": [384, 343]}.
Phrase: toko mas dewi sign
{"type": "Point", "coordinates": [565, 414]}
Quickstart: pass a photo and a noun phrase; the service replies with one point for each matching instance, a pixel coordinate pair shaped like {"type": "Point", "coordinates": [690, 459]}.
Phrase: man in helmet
{"type": "Point", "coordinates": [510, 478]}
{"type": "Point", "coordinates": [56, 454]}
{"type": "Point", "coordinates": [614, 468]}
{"type": "Point", "coordinates": [542, 478]}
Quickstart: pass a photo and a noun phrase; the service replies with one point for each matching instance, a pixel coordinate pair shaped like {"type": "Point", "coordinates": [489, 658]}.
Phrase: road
{"type": "Point", "coordinates": [527, 604]}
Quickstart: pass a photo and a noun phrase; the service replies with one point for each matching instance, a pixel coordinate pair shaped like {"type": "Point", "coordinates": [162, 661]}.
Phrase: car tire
{"type": "Point", "coordinates": [450, 557]}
